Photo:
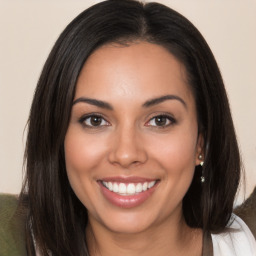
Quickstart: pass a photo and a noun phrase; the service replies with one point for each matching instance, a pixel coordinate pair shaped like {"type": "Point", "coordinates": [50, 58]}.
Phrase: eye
{"type": "Point", "coordinates": [92, 121]}
{"type": "Point", "coordinates": [161, 121]}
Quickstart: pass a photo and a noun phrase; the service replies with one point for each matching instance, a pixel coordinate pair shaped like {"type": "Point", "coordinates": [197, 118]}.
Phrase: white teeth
{"type": "Point", "coordinates": [115, 188]}
{"type": "Point", "coordinates": [138, 188]}
{"type": "Point", "coordinates": [145, 186]}
{"type": "Point", "coordinates": [110, 186]}
{"type": "Point", "coordinates": [151, 184]}
{"type": "Point", "coordinates": [122, 188]}
{"type": "Point", "coordinates": [131, 189]}
{"type": "Point", "coordinates": [128, 189]}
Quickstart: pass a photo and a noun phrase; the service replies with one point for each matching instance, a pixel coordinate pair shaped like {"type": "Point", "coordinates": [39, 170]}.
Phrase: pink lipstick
{"type": "Point", "coordinates": [127, 192]}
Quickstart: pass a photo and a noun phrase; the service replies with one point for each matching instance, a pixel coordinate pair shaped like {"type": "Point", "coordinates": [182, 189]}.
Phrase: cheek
{"type": "Point", "coordinates": [175, 151]}
{"type": "Point", "coordinates": [176, 156]}
{"type": "Point", "coordinates": [82, 153]}
{"type": "Point", "coordinates": [83, 156]}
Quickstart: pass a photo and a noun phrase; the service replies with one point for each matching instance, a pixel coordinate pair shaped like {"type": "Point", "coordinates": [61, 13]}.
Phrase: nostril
{"type": "Point", "coordinates": [126, 159]}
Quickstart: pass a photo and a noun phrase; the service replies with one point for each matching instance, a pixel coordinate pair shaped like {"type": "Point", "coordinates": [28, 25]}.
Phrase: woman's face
{"type": "Point", "coordinates": [132, 143]}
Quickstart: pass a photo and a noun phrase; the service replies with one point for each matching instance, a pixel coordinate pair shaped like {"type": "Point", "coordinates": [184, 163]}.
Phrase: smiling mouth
{"type": "Point", "coordinates": [128, 189]}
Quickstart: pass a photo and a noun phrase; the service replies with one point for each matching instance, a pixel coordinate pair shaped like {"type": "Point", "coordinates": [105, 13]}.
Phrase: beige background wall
{"type": "Point", "coordinates": [29, 28]}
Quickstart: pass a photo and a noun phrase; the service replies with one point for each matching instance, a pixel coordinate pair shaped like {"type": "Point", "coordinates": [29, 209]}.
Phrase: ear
{"type": "Point", "coordinates": [199, 149]}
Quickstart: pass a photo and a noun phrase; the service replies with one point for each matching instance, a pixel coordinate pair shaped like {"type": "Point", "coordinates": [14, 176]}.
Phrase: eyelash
{"type": "Point", "coordinates": [167, 118]}
{"type": "Point", "coordinates": [84, 118]}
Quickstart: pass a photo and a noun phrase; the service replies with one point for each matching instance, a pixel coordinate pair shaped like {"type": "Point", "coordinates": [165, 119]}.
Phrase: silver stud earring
{"type": "Point", "coordinates": [200, 157]}
{"type": "Point", "coordinates": [202, 178]}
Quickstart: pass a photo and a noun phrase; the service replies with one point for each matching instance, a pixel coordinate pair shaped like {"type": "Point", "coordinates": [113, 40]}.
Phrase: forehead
{"type": "Point", "coordinates": [140, 70]}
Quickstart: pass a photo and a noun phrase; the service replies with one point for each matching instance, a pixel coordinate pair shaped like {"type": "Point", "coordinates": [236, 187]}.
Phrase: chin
{"type": "Point", "coordinates": [126, 221]}
{"type": "Point", "coordinates": [129, 225]}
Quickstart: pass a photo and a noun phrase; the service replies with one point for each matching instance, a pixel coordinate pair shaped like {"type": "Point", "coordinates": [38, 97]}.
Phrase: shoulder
{"type": "Point", "coordinates": [12, 226]}
{"type": "Point", "coordinates": [8, 204]}
{"type": "Point", "coordinates": [236, 240]}
{"type": "Point", "coordinates": [247, 212]}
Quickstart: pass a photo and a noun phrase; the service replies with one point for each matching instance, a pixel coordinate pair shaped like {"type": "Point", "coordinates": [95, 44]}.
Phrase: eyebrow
{"type": "Point", "coordinates": [98, 103]}
{"type": "Point", "coordinates": [148, 103]}
{"type": "Point", "coordinates": [161, 99]}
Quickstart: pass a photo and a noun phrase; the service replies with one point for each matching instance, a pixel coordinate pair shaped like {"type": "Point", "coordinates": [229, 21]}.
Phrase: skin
{"type": "Point", "coordinates": [128, 141]}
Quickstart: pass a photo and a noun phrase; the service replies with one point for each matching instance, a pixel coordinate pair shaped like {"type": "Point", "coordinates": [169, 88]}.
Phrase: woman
{"type": "Point", "coordinates": [131, 148]}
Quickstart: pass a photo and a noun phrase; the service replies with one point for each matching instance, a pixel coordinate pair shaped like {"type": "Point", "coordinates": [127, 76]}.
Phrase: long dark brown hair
{"type": "Point", "coordinates": [56, 219]}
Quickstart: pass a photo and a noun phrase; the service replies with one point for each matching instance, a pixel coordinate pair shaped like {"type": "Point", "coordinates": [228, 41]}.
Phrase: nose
{"type": "Point", "coordinates": [127, 148]}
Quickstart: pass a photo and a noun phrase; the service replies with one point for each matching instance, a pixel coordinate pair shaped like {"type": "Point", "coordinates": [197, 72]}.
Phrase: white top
{"type": "Point", "coordinates": [237, 242]}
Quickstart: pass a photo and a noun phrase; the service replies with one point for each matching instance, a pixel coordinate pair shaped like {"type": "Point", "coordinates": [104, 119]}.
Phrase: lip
{"type": "Point", "coordinates": [127, 201]}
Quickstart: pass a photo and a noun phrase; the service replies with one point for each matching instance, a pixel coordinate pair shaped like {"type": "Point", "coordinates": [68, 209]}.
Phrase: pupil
{"type": "Point", "coordinates": [160, 120]}
{"type": "Point", "coordinates": [95, 120]}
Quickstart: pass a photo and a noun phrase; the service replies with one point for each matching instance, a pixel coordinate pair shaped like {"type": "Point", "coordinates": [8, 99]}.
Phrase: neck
{"type": "Point", "coordinates": [172, 238]}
